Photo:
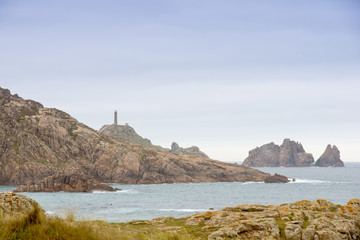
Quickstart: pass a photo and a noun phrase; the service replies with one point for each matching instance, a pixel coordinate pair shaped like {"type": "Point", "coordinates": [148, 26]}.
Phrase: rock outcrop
{"type": "Point", "coordinates": [65, 183]}
{"type": "Point", "coordinates": [276, 178]}
{"type": "Point", "coordinates": [16, 204]}
{"type": "Point", "coordinates": [194, 150]}
{"type": "Point", "coordinates": [305, 220]}
{"type": "Point", "coordinates": [330, 158]}
{"type": "Point", "coordinates": [37, 142]}
{"type": "Point", "coordinates": [289, 154]}
{"type": "Point", "coordinates": [129, 134]}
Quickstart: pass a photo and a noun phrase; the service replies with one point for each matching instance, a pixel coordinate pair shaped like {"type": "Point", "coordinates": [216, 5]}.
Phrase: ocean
{"type": "Point", "coordinates": [337, 185]}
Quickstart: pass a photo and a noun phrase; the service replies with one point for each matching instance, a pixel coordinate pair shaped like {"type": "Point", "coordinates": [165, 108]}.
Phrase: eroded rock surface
{"type": "Point", "coordinates": [65, 183]}
{"type": "Point", "coordinates": [330, 158]}
{"type": "Point", "coordinates": [306, 220]}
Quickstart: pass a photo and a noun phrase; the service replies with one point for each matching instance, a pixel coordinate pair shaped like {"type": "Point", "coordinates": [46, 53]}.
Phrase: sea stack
{"type": "Point", "coordinates": [330, 158]}
{"type": "Point", "coordinates": [288, 154]}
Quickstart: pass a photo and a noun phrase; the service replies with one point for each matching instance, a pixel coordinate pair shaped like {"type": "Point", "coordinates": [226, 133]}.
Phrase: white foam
{"type": "Point", "coordinates": [311, 181]}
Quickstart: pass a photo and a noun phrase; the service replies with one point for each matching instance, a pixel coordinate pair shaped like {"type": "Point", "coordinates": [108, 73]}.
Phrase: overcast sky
{"type": "Point", "coordinates": [226, 76]}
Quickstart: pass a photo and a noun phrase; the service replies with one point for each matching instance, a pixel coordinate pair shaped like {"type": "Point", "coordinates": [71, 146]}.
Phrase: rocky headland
{"type": "Point", "coordinates": [330, 158]}
{"type": "Point", "coordinates": [65, 183]}
{"type": "Point", "coordinates": [290, 154]}
{"type": "Point", "coordinates": [37, 142]}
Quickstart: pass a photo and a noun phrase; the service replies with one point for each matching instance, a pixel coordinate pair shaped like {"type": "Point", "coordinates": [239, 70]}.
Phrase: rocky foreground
{"type": "Point", "coordinates": [37, 142]}
{"type": "Point", "coordinates": [306, 220]}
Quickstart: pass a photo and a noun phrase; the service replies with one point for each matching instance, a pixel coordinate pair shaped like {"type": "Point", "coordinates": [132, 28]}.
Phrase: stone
{"type": "Point", "coordinates": [330, 158]}
{"type": "Point", "coordinates": [16, 204]}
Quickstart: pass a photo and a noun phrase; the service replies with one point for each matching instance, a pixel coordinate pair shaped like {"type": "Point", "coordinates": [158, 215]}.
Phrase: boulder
{"type": "Point", "coordinates": [16, 204]}
{"type": "Point", "coordinates": [65, 183]}
{"type": "Point", "coordinates": [330, 158]}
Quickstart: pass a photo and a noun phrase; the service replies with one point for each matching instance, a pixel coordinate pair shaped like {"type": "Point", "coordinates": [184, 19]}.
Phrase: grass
{"type": "Point", "coordinates": [37, 225]}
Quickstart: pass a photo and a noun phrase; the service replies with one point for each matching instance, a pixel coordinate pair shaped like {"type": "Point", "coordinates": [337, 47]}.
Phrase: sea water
{"type": "Point", "coordinates": [337, 185]}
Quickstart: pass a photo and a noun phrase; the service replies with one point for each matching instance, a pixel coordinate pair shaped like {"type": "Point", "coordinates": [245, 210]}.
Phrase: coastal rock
{"type": "Point", "coordinates": [276, 178]}
{"type": "Point", "coordinates": [16, 204]}
{"type": "Point", "coordinates": [330, 158]}
{"type": "Point", "coordinates": [289, 154]}
{"type": "Point", "coordinates": [64, 183]}
{"type": "Point", "coordinates": [306, 220]}
{"type": "Point", "coordinates": [38, 142]}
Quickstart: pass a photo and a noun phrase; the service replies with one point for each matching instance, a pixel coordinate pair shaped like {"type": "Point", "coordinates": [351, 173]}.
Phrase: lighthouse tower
{"type": "Point", "coordinates": [115, 118]}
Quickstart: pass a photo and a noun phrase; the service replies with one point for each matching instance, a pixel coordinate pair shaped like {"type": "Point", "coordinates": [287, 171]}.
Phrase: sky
{"type": "Point", "coordinates": [226, 76]}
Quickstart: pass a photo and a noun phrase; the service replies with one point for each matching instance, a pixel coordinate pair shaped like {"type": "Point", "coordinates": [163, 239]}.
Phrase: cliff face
{"type": "Point", "coordinates": [289, 154]}
{"type": "Point", "coordinates": [36, 142]}
{"type": "Point", "coordinates": [330, 158]}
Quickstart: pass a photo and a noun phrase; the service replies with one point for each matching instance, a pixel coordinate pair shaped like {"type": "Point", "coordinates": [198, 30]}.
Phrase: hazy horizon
{"type": "Point", "coordinates": [224, 76]}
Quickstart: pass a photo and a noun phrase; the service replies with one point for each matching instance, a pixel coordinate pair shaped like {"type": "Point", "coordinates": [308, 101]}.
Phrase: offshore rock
{"type": "Point", "coordinates": [276, 178]}
{"type": "Point", "coordinates": [65, 183]}
{"type": "Point", "coordinates": [330, 158]}
{"type": "Point", "coordinates": [15, 204]}
{"type": "Point", "coordinates": [38, 142]}
{"type": "Point", "coordinates": [289, 154]}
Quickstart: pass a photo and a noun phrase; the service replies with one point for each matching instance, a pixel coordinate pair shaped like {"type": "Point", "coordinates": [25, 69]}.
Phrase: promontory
{"type": "Point", "coordinates": [37, 142]}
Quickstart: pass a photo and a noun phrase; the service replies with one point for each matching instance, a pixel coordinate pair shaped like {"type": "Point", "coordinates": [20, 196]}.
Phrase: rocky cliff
{"type": "Point", "coordinates": [65, 183]}
{"type": "Point", "coordinates": [129, 134]}
{"type": "Point", "coordinates": [330, 158]}
{"type": "Point", "coordinates": [37, 142]}
{"type": "Point", "coordinates": [288, 154]}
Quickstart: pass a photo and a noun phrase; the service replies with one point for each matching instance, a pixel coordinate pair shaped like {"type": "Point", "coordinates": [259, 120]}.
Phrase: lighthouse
{"type": "Point", "coordinates": [115, 118]}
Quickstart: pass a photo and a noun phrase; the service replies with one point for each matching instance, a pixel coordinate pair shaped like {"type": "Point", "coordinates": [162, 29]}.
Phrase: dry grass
{"type": "Point", "coordinates": [36, 225]}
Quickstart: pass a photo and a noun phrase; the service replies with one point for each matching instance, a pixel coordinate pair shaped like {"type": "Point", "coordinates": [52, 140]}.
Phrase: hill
{"type": "Point", "coordinates": [37, 142]}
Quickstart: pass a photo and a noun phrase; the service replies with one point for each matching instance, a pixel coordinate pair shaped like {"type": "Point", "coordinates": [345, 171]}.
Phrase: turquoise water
{"type": "Point", "coordinates": [148, 201]}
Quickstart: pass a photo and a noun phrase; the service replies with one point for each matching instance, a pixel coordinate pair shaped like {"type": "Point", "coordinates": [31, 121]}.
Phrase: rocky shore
{"type": "Point", "coordinates": [302, 220]}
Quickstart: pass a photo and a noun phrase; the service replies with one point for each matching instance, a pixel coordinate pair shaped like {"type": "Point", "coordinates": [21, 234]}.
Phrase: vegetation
{"type": "Point", "coordinates": [37, 225]}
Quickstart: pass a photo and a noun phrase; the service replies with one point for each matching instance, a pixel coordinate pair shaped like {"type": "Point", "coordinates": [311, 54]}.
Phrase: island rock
{"type": "Point", "coordinates": [65, 183]}
{"type": "Point", "coordinates": [289, 154]}
{"type": "Point", "coordinates": [330, 158]}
